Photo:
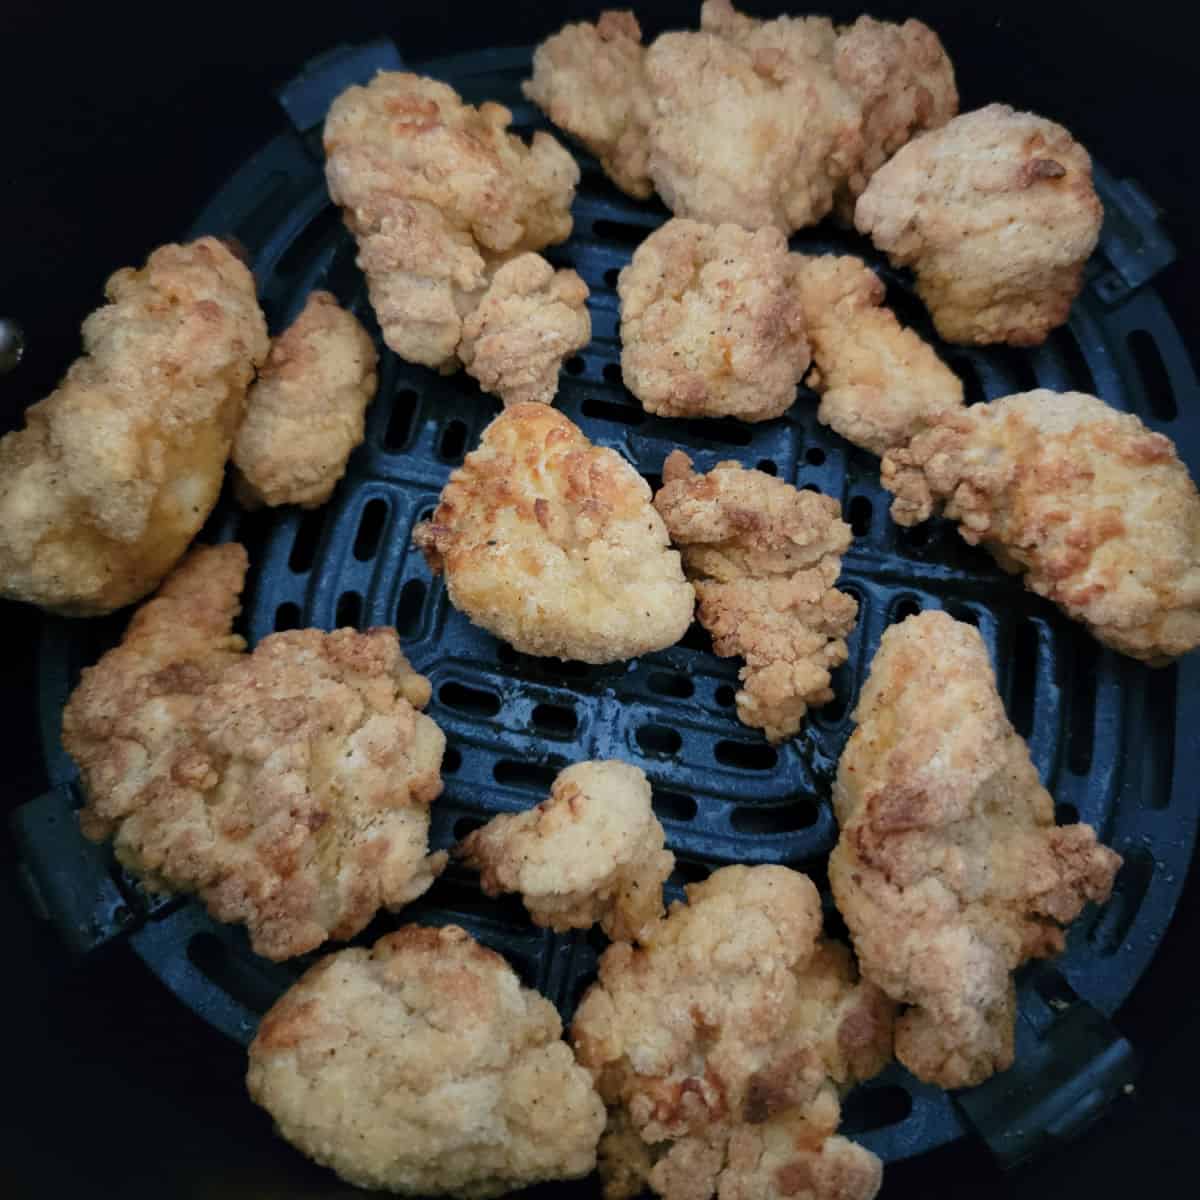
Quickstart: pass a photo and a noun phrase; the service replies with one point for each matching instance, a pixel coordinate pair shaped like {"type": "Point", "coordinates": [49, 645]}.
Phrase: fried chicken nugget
{"type": "Point", "coordinates": [289, 788]}
{"type": "Point", "coordinates": [304, 413]}
{"type": "Point", "coordinates": [118, 468]}
{"type": "Point", "coordinates": [552, 544]}
{"type": "Point", "coordinates": [721, 1047]}
{"type": "Point", "coordinates": [593, 852]}
{"type": "Point", "coordinates": [996, 214]}
{"type": "Point", "coordinates": [710, 324]}
{"type": "Point", "coordinates": [763, 558]}
{"type": "Point", "coordinates": [439, 195]}
{"type": "Point", "coordinates": [588, 80]}
{"type": "Point", "coordinates": [1095, 509]}
{"type": "Point", "coordinates": [950, 871]}
{"type": "Point", "coordinates": [423, 1067]}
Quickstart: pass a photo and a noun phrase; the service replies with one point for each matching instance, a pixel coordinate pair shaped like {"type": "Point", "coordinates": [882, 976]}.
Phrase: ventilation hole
{"type": "Point", "coordinates": [962, 366]}
{"type": "Point", "coordinates": [1081, 729]}
{"type": "Point", "coordinates": [574, 365]}
{"type": "Point", "coordinates": [1054, 989]}
{"type": "Point", "coordinates": [1112, 927]}
{"type": "Point", "coordinates": [524, 774]}
{"type": "Point", "coordinates": [1017, 365]}
{"type": "Point", "coordinates": [620, 232]}
{"type": "Point", "coordinates": [697, 638]}
{"type": "Point", "coordinates": [729, 433]}
{"type": "Point", "coordinates": [1066, 814]}
{"type": "Point", "coordinates": [671, 806]}
{"type": "Point", "coordinates": [308, 537]}
{"type": "Point", "coordinates": [474, 701]}
{"type": "Point", "coordinates": [814, 456]}
{"type": "Point", "coordinates": [1024, 677]}
{"type": "Point", "coordinates": [370, 528]}
{"type": "Point", "coordinates": [964, 613]}
{"type": "Point", "coordinates": [1078, 371]}
{"type": "Point", "coordinates": [611, 276]}
{"type": "Point", "coordinates": [558, 720]}
{"type": "Point", "coordinates": [767, 466]}
{"type": "Point", "coordinates": [906, 606]}
{"type": "Point", "coordinates": [867, 1109]}
{"type": "Point", "coordinates": [404, 408]}
{"type": "Point", "coordinates": [859, 513]}
{"type": "Point", "coordinates": [725, 696]}
{"type": "Point", "coordinates": [612, 374]}
{"type": "Point", "coordinates": [1157, 382]}
{"type": "Point", "coordinates": [841, 683]}
{"type": "Point", "coordinates": [746, 756]}
{"type": "Point", "coordinates": [287, 616]}
{"type": "Point", "coordinates": [687, 871]}
{"type": "Point", "coordinates": [914, 537]}
{"type": "Point", "coordinates": [465, 826]}
{"type": "Point", "coordinates": [655, 482]}
{"type": "Point", "coordinates": [454, 441]}
{"type": "Point", "coordinates": [250, 985]}
{"type": "Point", "coordinates": [451, 760]}
{"type": "Point", "coordinates": [1160, 721]}
{"type": "Point", "coordinates": [308, 242]}
{"type": "Point", "coordinates": [507, 655]}
{"type": "Point", "coordinates": [408, 611]}
{"type": "Point", "coordinates": [608, 410]}
{"type": "Point", "coordinates": [776, 818]}
{"type": "Point", "coordinates": [664, 684]}
{"type": "Point", "coordinates": [568, 667]}
{"type": "Point", "coordinates": [426, 515]}
{"type": "Point", "coordinates": [349, 610]}
{"type": "Point", "coordinates": [812, 487]}
{"type": "Point", "coordinates": [659, 739]}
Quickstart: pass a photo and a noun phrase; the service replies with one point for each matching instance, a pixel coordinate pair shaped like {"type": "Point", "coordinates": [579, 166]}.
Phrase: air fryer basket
{"type": "Point", "coordinates": [1109, 735]}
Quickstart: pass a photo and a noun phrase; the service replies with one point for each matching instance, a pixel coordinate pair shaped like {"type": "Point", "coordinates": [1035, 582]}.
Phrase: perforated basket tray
{"type": "Point", "coordinates": [1111, 738]}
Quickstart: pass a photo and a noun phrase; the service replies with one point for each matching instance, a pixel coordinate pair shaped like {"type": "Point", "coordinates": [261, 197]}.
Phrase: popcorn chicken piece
{"type": "Point", "coordinates": [288, 788]}
{"type": "Point", "coordinates": [710, 324]}
{"type": "Point", "coordinates": [423, 1067]}
{"type": "Point", "coordinates": [763, 557]}
{"type": "Point", "coordinates": [950, 871]}
{"type": "Point", "coordinates": [593, 852]}
{"type": "Point", "coordinates": [996, 215]}
{"type": "Point", "coordinates": [117, 469]}
{"type": "Point", "coordinates": [552, 544]}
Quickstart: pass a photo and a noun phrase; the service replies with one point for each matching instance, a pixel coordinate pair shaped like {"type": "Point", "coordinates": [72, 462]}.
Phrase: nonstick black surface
{"type": "Point", "coordinates": [129, 1087]}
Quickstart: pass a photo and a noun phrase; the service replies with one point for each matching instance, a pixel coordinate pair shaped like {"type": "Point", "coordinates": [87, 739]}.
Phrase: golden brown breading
{"type": "Point", "coordinates": [764, 558]}
{"type": "Point", "coordinates": [289, 788]}
{"type": "Point", "coordinates": [593, 852]}
{"type": "Point", "coordinates": [721, 1046]}
{"type": "Point", "coordinates": [880, 384]}
{"type": "Point", "coordinates": [1096, 509]}
{"type": "Point", "coordinates": [530, 318]}
{"type": "Point", "coordinates": [439, 195]}
{"type": "Point", "coordinates": [423, 1067]}
{"type": "Point", "coordinates": [552, 544]}
{"type": "Point", "coordinates": [996, 214]}
{"type": "Point", "coordinates": [710, 324]}
{"type": "Point", "coordinates": [304, 413]}
{"type": "Point", "coordinates": [117, 469]}
{"type": "Point", "coordinates": [588, 80]}
{"type": "Point", "coordinates": [950, 871]}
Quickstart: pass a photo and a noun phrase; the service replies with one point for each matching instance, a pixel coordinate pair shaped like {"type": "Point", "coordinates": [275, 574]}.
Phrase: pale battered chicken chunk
{"type": "Point", "coordinates": [593, 852]}
{"type": "Point", "coordinates": [116, 470]}
{"type": "Point", "coordinates": [530, 319]}
{"type": "Point", "coordinates": [1097, 511]}
{"type": "Point", "coordinates": [710, 324]}
{"type": "Point", "coordinates": [439, 195]}
{"type": "Point", "coordinates": [996, 214]}
{"type": "Point", "coordinates": [950, 871]}
{"type": "Point", "coordinates": [304, 413]}
{"type": "Point", "coordinates": [763, 557]}
{"type": "Point", "coordinates": [588, 80]}
{"type": "Point", "coordinates": [423, 1067]}
{"type": "Point", "coordinates": [722, 1045]}
{"type": "Point", "coordinates": [288, 788]}
{"type": "Point", "coordinates": [552, 544]}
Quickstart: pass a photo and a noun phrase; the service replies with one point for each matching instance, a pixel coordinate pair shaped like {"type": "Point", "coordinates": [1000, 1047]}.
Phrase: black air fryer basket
{"type": "Point", "coordinates": [1114, 741]}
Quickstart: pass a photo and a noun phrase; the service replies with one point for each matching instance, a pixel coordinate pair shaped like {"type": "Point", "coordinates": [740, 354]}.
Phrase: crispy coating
{"type": "Point", "coordinates": [722, 1044]}
{"type": "Point", "coordinates": [530, 318]}
{"type": "Point", "coordinates": [552, 544]}
{"type": "Point", "coordinates": [423, 1067]}
{"type": "Point", "coordinates": [996, 214]}
{"type": "Point", "coordinates": [593, 852]}
{"type": "Point", "coordinates": [289, 788]}
{"type": "Point", "coordinates": [950, 871]}
{"type": "Point", "coordinates": [880, 384]}
{"type": "Point", "coordinates": [117, 469]}
{"type": "Point", "coordinates": [763, 557]}
{"type": "Point", "coordinates": [710, 324]}
{"type": "Point", "coordinates": [439, 195]}
{"type": "Point", "coordinates": [1097, 511]}
{"type": "Point", "coordinates": [304, 413]}
{"type": "Point", "coordinates": [588, 80]}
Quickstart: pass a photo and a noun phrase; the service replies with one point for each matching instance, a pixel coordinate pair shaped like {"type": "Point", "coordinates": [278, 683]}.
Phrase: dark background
{"type": "Point", "coordinates": [116, 124]}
